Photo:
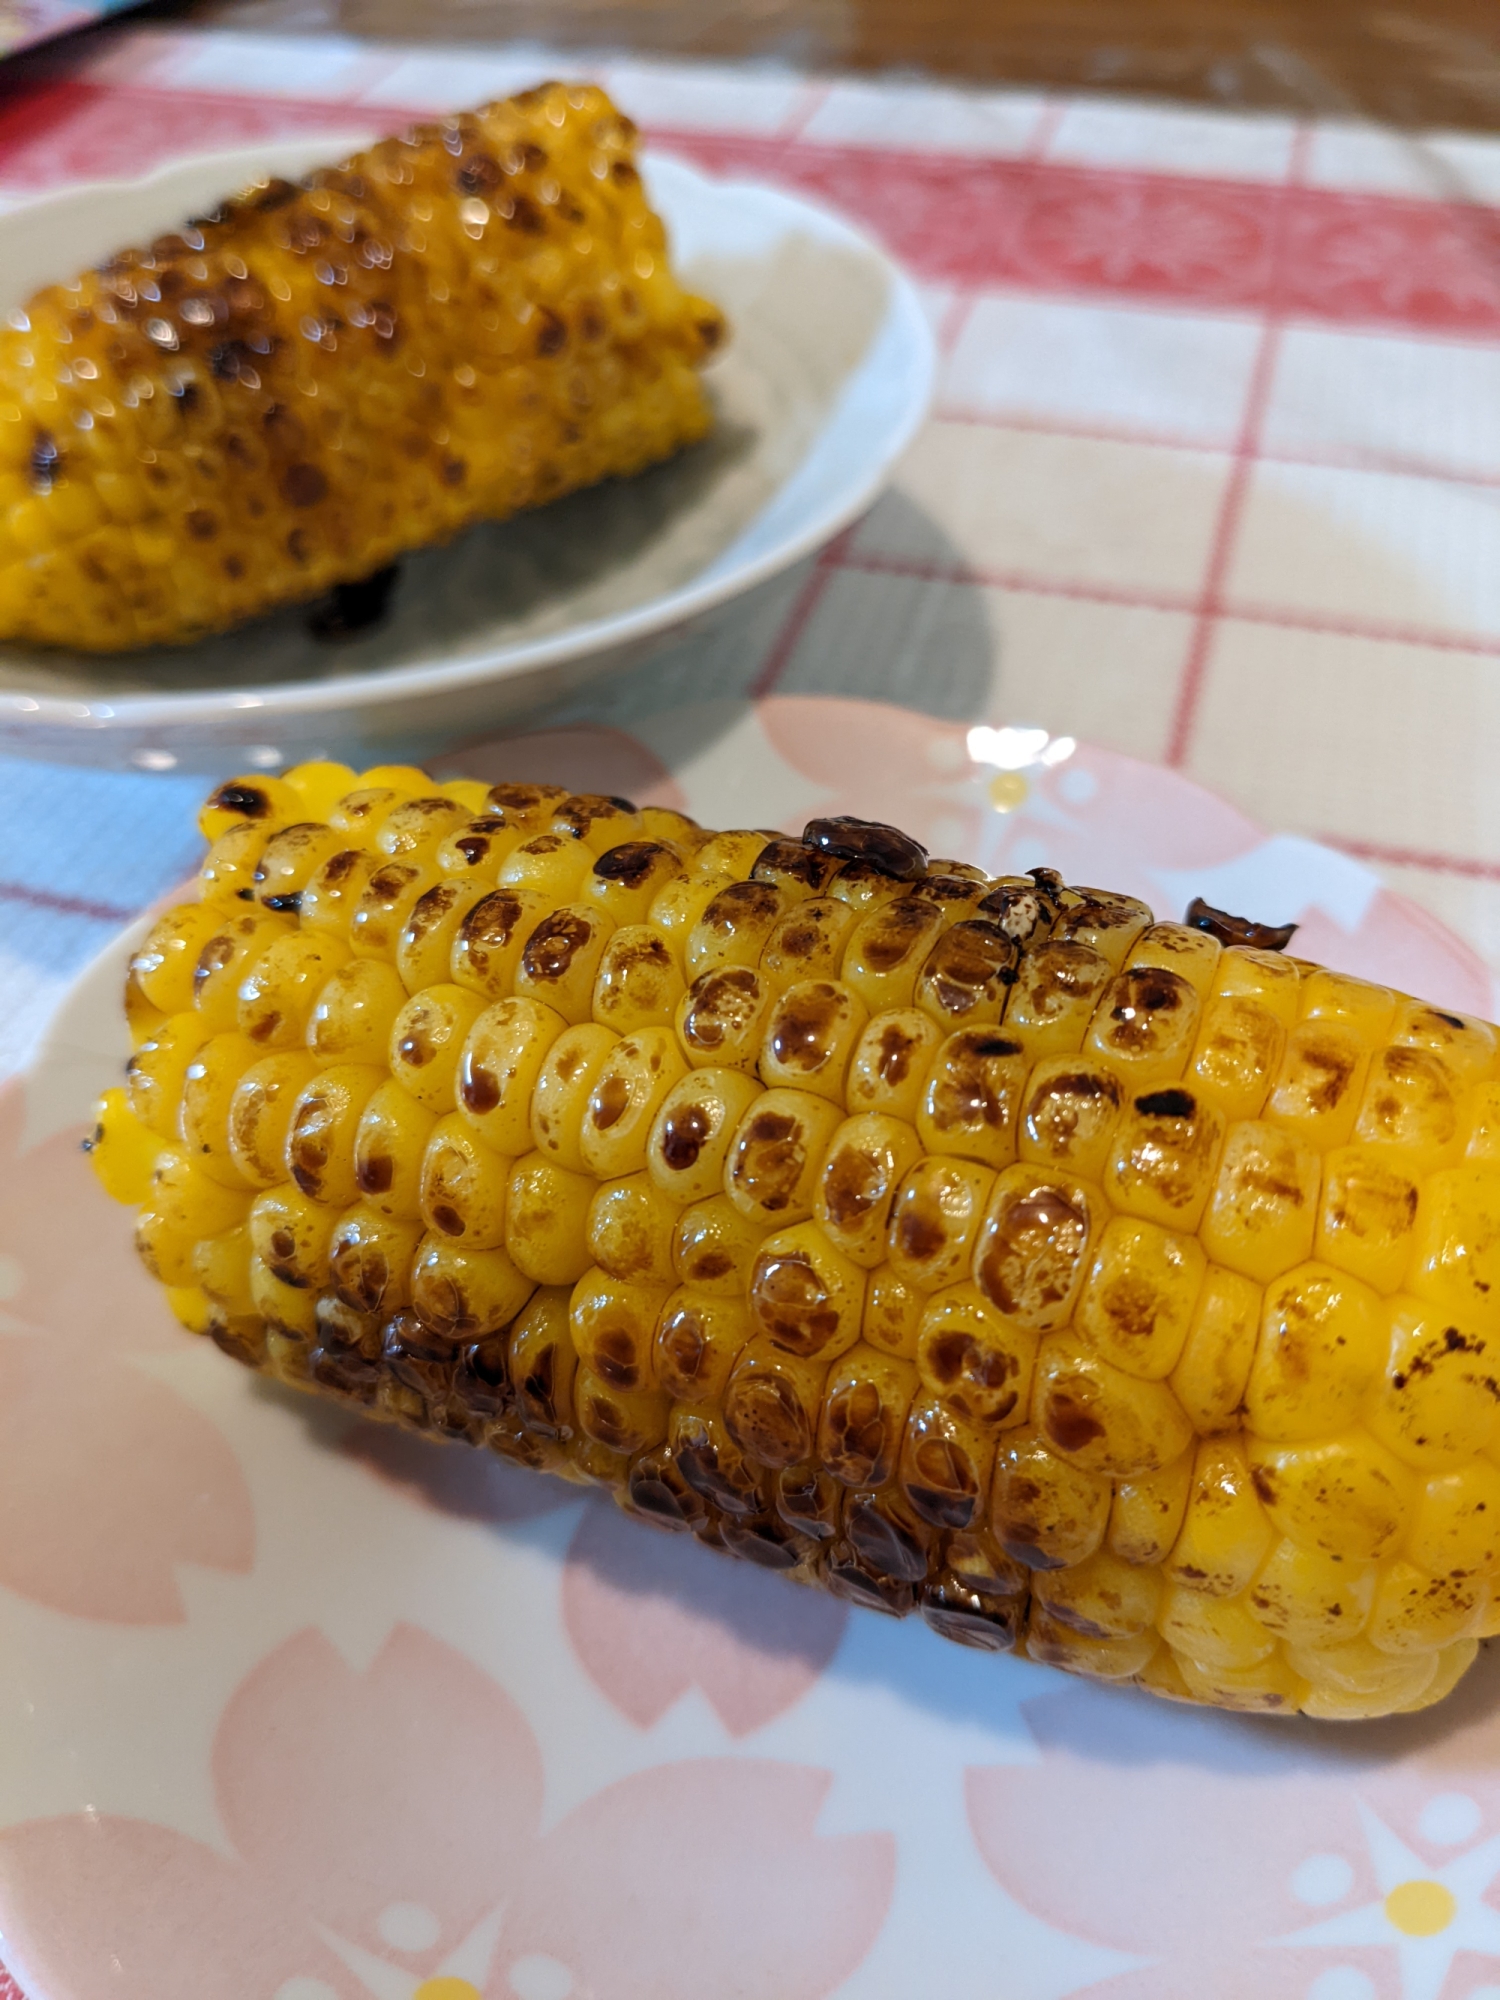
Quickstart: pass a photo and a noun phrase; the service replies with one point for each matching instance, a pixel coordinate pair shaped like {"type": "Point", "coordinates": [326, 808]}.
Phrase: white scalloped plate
{"type": "Point", "coordinates": [299, 1709]}
{"type": "Point", "coordinates": [825, 380]}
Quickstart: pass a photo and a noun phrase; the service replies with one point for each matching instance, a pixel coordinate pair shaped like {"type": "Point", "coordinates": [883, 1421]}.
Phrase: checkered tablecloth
{"type": "Point", "coordinates": [1214, 475]}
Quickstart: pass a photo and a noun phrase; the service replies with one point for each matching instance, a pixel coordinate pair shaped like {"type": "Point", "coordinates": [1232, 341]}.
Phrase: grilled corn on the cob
{"type": "Point", "coordinates": [1116, 1291]}
{"type": "Point", "coordinates": [453, 325]}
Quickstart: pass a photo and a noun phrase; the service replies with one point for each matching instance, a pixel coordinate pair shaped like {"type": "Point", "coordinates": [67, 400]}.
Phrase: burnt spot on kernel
{"type": "Point", "coordinates": [853, 1182]}
{"type": "Point", "coordinates": [883, 847]}
{"type": "Point", "coordinates": [1071, 1425]}
{"type": "Point", "coordinates": [609, 1103]}
{"type": "Point", "coordinates": [44, 462]}
{"type": "Point", "coordinates": [374, 1172]}
{"type": "Point", "coordinates": [554, 944]}
{"type": "Point", "coordinates": [631, 863]}
{"type": "Point", "coordinates": [1167, 1104]}
{"type": "Point", "coordinates": [303, 485]}
{"type": "Point", "coordinates": [791, 1302]}
{"type": "Point", "coordinates": [683, 1134]}
{"type": "Point", "coordinates": [241, 796]}
{"type": "Point", "coordinates": [791, 861]}
{"type": "Point", "coordinates": [804, 1028]}
{"type": "Point", "coordinates": [1141, 994]}
{"type": "Point", "coordinates": [721, 1005]}
{"type": "Point", "coordinates": [770, 1159]}
{"type": "Point", "coordinates": [896, 1046]}
{"type": "Point", "coordinates": [896, 931]}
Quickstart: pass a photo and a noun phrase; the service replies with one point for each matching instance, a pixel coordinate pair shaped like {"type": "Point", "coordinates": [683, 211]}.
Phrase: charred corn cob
{"type": "Point", "coordinates": [1125, 1293]}
{"type": "Point", "coordinates": [457, 324]}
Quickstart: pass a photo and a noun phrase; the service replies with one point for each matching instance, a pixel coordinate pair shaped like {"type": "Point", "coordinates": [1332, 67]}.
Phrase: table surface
{"type": "Point", "coordinates": [1412, 62]}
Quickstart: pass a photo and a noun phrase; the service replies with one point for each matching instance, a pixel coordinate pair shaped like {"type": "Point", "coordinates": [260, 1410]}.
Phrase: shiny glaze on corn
{"type": "Point", "coordinates": [455, 324]}
{"type": "Point", "coordinates": [1099, 1290]}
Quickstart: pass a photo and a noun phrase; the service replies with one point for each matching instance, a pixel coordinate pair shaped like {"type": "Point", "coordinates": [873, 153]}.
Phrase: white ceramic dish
{"type": "Point", "coordinates": [295, 1708]}
{"type": "Point", "coordinates": [826, 379]}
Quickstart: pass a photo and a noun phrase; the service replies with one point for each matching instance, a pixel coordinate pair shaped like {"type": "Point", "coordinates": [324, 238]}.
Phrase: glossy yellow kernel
{"type": "Point", "coordinates": [1146, 1515]}
{"type": "Point", "coordinates": [699, 1336]}
{"type": "Point", "coordinates": [462, 1188]}
{"type": "Point", "coordinates": [156, 1072]}
{"type": "Point", "coordinates": [1102, 1597]}
{"type": "Point", "coordinates": [733, 928]}
{"type": "Point", "coordinates": [277, 994]}
{"type": "Point", "coordinates": [693, 1129]}
{"type": "Point", "coordinates": [1310, 1598]}
{"type": "Point", "coordinates": [1466, 1046]}
{"type": "Point", "coordinates": [352, 1017]}
{"type": "Point", "coordinates": [776, 1154]}
{"type": "Point", "coordinates": [1164, 1157]}
{"type": "Point", "coordinates": [260, 1114]}
{"type": "Point", "coordinates": [1068, 1115]}
{"type": "Point", "coordinates": [893, 1311]}
{"type": "Point", "coordinates": [1367, 1215]}
{"type": "Point", "coordinates": [806, 942]}
{"type": "Point", "coordinates": [1355, 1003]}
{"type": "Point", "coordinates": [677, 906]}
{"type": "Point", "coordinates": [321, 1133]}
{"type": "Point", "coordinates": [1138, 1301]}
{"type": "Point", "coordinates": [1045, 1511]}
{"type": "Point", "coordinates": [887, 949]}
{"type": "Point", "coordinates": [1481, 1131]}
{"type": "Point", "coordinates": [564, 1085]}
{"type": "Point", "coordinates": [550, 865]}
{"type": "Point", "coordinates": [626, 878]}
{"type": "Point", "coordinates": [1274, 982]}
{"type": "Point", "coordinates": [331, 898]}
{"type": "Point", "coordinates": [363, 809]}
{"type": "Point", "coordinates": [542, 1363]}
{"type": "Point", "coordinates": [289, 861]}
{"type": "Point", "coordinates": [976, 1362]}
{"type": "Point", "coordinates": [320, 785]}
{"type": "Point", "coordinates": [1355, 1679]}
{"type": "Point", "coordinates": [733, 854]}
{"type": "Point", "coordinates": [630, 1229]}
{"type": "Point", "coordinates": [390, 1143]}
{"type": "Point", "coordinates": [1417, 1613]}
{"type": "Point", "coordinates": [935, 1221]}
{"type": "Point", "coordinates": [1214, 1366]}
{"type": "Point", "coordinates": [629, 1089]}
{"type": "Point", "coordinates": [1316, 1091]}
{"type": "Point", "coordinates": [971, 1097]}
{"type": "Point", "coordinates": [1212, 1632]}
{"type": "Point", "coordinates": [209, 1082]}
{"type": "Point", "coordinates": [1346, 1496]}
{"type": "Point", "coordinates": [771, 1404]}
{"type": "Point", "coordinates": [1052, 1002]}
{"type": "Point", "coordinates": [1181, 948]}
{"type": "Point", "coordinates": [1262, 1215]}
{"type": "Point", "coordinates": [427, 1039]}
{"type": "Point", "coordinates": [560, 960]}
{"type": "Point", "coordinates": [163, 965]}
{"type": "Point", "coordinates": [166, 1249]}
{"type": "Point", "coordinates": [1240, 1047]}
{"type": "Point", "coordinates": [370, 1260]}
{"type": "Point", "coordinates": [415, 829]}
{"type": "Point", "coordinates": [1410, 1107]}
{"type": "Point", "coordinates": [1439, 1401]}
{"type": "Point", "coordinates": [721, 1018]}
{"type": "Point", "coordinates": [227, 874]}
{"type": "Point", "coordinates": [623, 1420]}
{"type": "Point", "coordinates": [221, 1265]}
{"type": "Point", "coordinates": [1456, 1253]}
{"type": "Point", "coordinates": [638, 983]}
{"type": "Point", "coordinates": [1322, 1345]}
{"type": "Point", "coordinates": [714, 1246]}
{"type": "Point", "coordinates": [867, 1159]}
{"type": "Point", "coordinates": [946, 1463]}
{"type": "Point", "coordinates": [547, 1220]}
{"type": "Point", "coordinates": [463, 1294]}
{"type": "Point", "coordinates": [1052, 1643]}
{"type": "Point", "coordinates": [290, 1233]}
{"type": "Point", "coordinates": [1225, 1534]}
{"type": "Point", "coordinates": [1101, 1418]}
{"type": "Point", "coordinates": [1144, 1027]}
{"type": "Point", "coordinates": [1455, 1527]}
{"type": "Point", "coordinates": [805, 1296]}
{"type": "Point", "coordinates": [122, 1150]}
{"type": "Point", "coordinates": [1106, 922]}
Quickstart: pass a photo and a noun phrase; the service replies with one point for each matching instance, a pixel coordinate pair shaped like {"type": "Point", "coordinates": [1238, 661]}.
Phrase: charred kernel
{"type": "Point", "coordinates": [390, 1143]}
{"type": "Point", "coordinates": [1165, 1152]}
{"type": "Point", "coordinates": [1068, 1115]}
{"type": "Point", "coordinates": [1367, 1215]}
{"type": "Point", "coordinates": [462, 1294]}
{"type": "Point", "coordinates": [771, 1404]}
{"type": "Point", "coordinates": [956, 1612]}
{"type": "Point", "coordinates": [807, 942]}
{"type": "Point", "coordinates": [638, 983]}
{"type": "Point", "coordinates": [973, 1360]}
{"type": "Point", "coordinates": [957, 896]}
{"type": "Point", "coordinates": [1045, 1512]}
{"type": "Point", "coordinates": [278, 992]}
{"type": "Point", "coordinates": [698, 1339]}
{"type": "Point", "coordinates": [598, 820]}
{"type": "Point", "coordinates": [779, 1145]}
{"type": "Point", "coordinates": [866, 1162]}
{"type": "Point", "coordinates": [486, 951]}
{"type": "Point", "coordinates": [541, 1363]}
{"type": "Point", "coordinates": [1054, 997]}
{"type": "Point", "coordinates": [370, 1260]}
{"type": "Point", "coordinates": [887, 950]}
{"type": "Point", "coordinates": [656, 1488]}
{"type": "Point", "coordinates": [890, 1538]}
{"type": "Point", "coordinates": [209, 1081]}
{"type": "Point", "coordinates": [1138, 1302]}
{"type": "Point", "coordinates": [805, 1297]}
{"type": "Point", "coordinates": [1466, 1047]}
{"type": "Point", "coordinates": [1262, 1214]}
{"type": "Point", "coordinates": [733, 928]}
{"type": "Point", "coordinates": [1024, 909]}
{"type": "Point", "coordinates": [865, 1402]}
{"type": "Point", "coordinates": [547, 1220]}
{"type": "Point", "coordinates": [560, 960]}
{"type": "Point", "coordinates": [693, 1130]}
{"type": "Point", "coordinates": [240, 799]}
{"type": "Point", "coordinates": [626, 1421]}
{"type": "Point", "coordinates": [809, 1500]}
{"type": "Point", "coordinates": [260, 1113]}
{"type": "Point", "coordinates": [289, 1233]}
{"type": "Point", "coordinates": [791, 865]}
{"type": "Point", "coordinates": [1145, 1024]}
{"type": "Point", "coordinates": [463, 1183]}
{"type": "Point", "coordinates": [1031, 1255]}
{"type": "Point", "coordinates": [498, 1069]}
{"type": "Point", "coordinates": [891, 1062]}
{"type": "Point", "coordinates": [721, 1017]}
{"type": "Point", "coordinates": [972, 1095]}
{"type": "Point", "coordinates": [864, 887]}
{"type": "Point", "coordinates": [164, 966]}
{"type": "Point", "coordinates": [331, 898]}
{"type": "Point", "coordinates": [613, 1322]}
{"type": "Point", "coordinates": [715, 1245]}
{"type": "Point", "coordinates": [1410, 1105]}
{"type": "Point", "coordinates": [935, 1220]}
{"type": "Point", "coordinates": [383, 906]}
{"type": "Point", "coordinates": [424, 951]}
{"type": "Point", "coordinates": [712, 1463]}
{"type": "Point", "coordinates": [524, 808]}
{"type": "Point", "coordinates": [1098, 1417]}
{"type": "Point", "coordinates": [626, 880]}
{"type": "Point", "coordinates": [945, 1464]}
{"type": "Point", "coordinates": [354, 1012]}
{"type": "Point", "coordinates": [1107, 923]}
{"type": "Point", "coordinates": [156, 1072]}
{"type": "Point", "coordinates": [884, 848]}
{"type": "Point", "coordinates": [1185, 949]}
{"type": "Point", "coordinates": [810, 1036]}
{"type": "Point", "coordinates": [427, 1040]}
{"type": "Point", "coordinates": [636, 1077]}
{"type": "Point", "coordinates": [289, 860]}
{"type": "Point", "coordinates": [415, 829]}
{"type": "Point", "coordinates": [967, 975]}
{"type": "Point", "coordinates": [476, 849]}
{"type": "Point", "coordinates": [237, 943]}
{"type": "Point", "coordinates": [1317, 1089]}
{"type": "Point", "coordinates": [560, 1099]}
{"type": "Point", "coordinates": [322, 1129]}
{"type": "Point", "coordinates": [227, 873]}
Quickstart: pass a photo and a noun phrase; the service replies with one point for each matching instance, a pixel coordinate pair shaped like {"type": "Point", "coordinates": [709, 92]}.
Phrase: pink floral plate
{"type": "Point", "coordinates": [300, 1709]}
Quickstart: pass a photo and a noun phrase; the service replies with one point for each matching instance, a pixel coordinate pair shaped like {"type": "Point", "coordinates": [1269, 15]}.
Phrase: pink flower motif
{"type": "Point", "coordinates": [648, 1614]}
{"type": "Point", "coordinates": [384, 1831]}
{"type": "Point", "coordinates": [108, 1479]}
{"type": "Point", "coordinates": [651, 1615]}
{"type": "Point", "coordinates": [1247, 1862]}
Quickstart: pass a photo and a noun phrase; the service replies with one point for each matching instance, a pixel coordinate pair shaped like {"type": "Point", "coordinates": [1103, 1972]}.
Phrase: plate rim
{"type": "Point", "coordinates": [381, 687]}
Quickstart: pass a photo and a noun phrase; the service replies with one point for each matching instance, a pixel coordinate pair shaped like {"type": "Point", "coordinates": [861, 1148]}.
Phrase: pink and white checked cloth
{"type": "Point", "coordinates": [1214, 476]}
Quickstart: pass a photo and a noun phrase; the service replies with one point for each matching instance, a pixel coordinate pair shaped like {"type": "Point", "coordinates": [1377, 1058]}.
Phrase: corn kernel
{"type": "Point", "coordinates": [971, 1097]}
{"type": "Point", "coordinates": [1068, 1116]}
{"type": "Point", "coordinates": [721, 1017]}
{"type": "Point", "coordinates": [974, 1361]}
{"type": "Point", "coordinates": [1214, 1366]}
{"type": "Point", "coordinates": [354, 1012]}
{"type": "Point", "coordinates": [1044, 1511]}
{"type": "Point", "coordinates": [867, 1161]}
{"type": "Point", "coordinates": [805, 1296]}
{"type": "Point", "coordinates": [1099, 1417]}
{"type": "Point", "coordinates": [486, 951]}
{"type": "Point", "coordinates": [638, 983]}
{"type": "Point", "coordinates": [693, 1129]}
{"type": "Point", "coordinates": [1262, 1214]}
{"type": "Point", "coordinates": [547, 1220]}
